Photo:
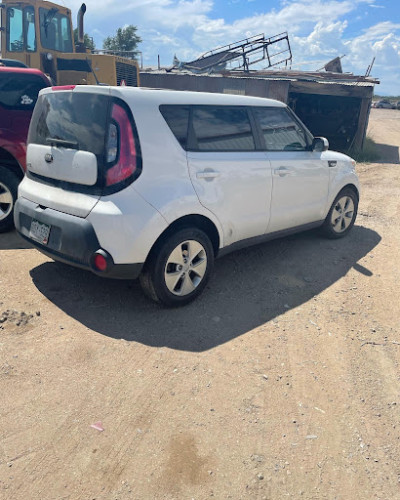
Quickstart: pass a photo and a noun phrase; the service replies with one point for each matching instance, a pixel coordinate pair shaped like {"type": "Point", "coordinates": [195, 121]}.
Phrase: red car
{"type": "Point", "coordinates": [19, 88]}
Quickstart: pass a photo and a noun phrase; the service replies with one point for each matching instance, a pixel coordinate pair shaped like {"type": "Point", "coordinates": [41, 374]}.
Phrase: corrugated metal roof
{"type": "Point", "coordinates": [317, 77]}
{"type": "Point", "coordinates": [350, 84]}
{"type": "Point", "coordinates": [289, 76]}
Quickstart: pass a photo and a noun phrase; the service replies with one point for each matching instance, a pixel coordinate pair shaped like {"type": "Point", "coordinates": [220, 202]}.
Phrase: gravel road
{"type": "Point", "coordinates": [281, 381]}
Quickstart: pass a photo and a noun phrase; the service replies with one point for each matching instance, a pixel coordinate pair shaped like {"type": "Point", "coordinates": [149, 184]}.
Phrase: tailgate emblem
{"type": "Point", "coordinates": [48, 158]}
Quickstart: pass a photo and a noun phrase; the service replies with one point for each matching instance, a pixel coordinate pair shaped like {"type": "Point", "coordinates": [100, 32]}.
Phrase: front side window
{"type": "Point", "coordinates": [280, 130]}
{"type": "Point", "coordinates": [55, 32]}
{"type": "Point", "coordinates": [30, 34]}
{"type": "Point", "coordinates": [21, 29]}
{"type": "Point", "coordinates": [15, 38]}
{"type": "Point", "coordinates": [222, 128]}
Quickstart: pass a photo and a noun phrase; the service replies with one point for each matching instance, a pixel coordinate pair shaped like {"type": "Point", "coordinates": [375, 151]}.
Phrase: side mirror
{"type": "Point", "coordinates": [320, 144]}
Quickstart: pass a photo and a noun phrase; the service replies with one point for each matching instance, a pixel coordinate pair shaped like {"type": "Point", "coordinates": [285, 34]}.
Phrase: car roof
{"type": "Point", "coordinates": [163, 96]}
{"type": "Point", "coordinates": [11, 70]}
{"type": "Point", "coordinates": [12, 62]}
{"type": "Point", "coordinates": [15, 69]}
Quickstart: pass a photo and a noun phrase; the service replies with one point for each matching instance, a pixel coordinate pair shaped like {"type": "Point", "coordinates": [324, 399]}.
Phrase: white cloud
{"type": "Point", "coordinates": [381, 41]}
{"type": "Point", "coordinates": [380, 29]}
{"type": "Point", "coordinates": [168, 13]}
{"type": "Point", "coordinates": [325, 39]}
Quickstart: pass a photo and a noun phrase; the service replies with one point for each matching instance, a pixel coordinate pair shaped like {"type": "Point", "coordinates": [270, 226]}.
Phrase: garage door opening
{"type": "Point", "coordinates": [333, 117]}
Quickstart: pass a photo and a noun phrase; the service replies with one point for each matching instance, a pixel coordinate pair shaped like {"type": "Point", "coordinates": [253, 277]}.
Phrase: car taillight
{"type": "Point", "coordinates": [112, 143]}
{"type": "Point", "coordinates": [121, 145]}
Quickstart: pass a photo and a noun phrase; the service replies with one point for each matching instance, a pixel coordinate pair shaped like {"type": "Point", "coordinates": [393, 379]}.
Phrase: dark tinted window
{"type": "Point", "coordinates": [78, 118]}
{"type": "Point", "coordinates": [177, 118]}
{"type": "Point", "coordinates": [280, 131]}
{"type": "Point", "coordinates": [20, 91]}
{"type": "Point", "coordinates": [222, 128]}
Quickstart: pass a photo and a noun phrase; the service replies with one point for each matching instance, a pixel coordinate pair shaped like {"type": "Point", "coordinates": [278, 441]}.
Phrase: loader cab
{"type": "Point", "coordinates": [40, 35]}
{"type": "Point", "coordinates": [34, 32]}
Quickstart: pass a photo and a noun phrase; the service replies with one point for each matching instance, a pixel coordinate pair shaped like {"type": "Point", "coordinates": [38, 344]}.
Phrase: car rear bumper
{"type": "Point", "coordinates": [71, 240]}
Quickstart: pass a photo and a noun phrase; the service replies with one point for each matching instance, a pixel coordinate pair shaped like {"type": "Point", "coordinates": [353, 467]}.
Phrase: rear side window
{"type": "Point", "coordinates": [280, 131]}
{"type": "Point", "coordinates": [222, 128]}
{"type": "Point", "coordinates": [210, 128]}
{"type": "Point", "coordinates": [20, 91]}
{"type": "Point", "coordinates": [177, 118]}
{"type": "Point", "coordinates": [78, 118]}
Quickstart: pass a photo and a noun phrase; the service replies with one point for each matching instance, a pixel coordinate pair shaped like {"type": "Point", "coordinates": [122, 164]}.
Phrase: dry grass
{"type": "Point", "coordinates": [368, 154]}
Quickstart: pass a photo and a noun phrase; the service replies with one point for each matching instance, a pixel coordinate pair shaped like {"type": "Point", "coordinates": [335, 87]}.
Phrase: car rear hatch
{"type": "Point", "coordinates": [82, 144]}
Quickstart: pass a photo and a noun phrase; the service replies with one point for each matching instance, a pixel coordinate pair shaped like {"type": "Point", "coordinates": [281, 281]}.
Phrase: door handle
{"type": "Point", "coordinates": [282, 171]}
{"type": "Point", "coordinates": [332, 163]}
{"type": "Point", "coordinates": [207, 174]}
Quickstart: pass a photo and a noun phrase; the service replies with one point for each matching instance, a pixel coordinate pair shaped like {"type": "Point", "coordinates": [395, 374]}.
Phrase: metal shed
{"type": "Point", "coordinates": [332, 105]}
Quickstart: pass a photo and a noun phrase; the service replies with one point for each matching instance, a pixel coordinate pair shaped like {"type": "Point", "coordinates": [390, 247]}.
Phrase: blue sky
{"type": "Point", "coordinates": [318, 30]}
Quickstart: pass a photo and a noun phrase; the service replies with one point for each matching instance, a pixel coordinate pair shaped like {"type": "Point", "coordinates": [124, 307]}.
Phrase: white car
{"type": "Point", "coordinates": [129, 182]}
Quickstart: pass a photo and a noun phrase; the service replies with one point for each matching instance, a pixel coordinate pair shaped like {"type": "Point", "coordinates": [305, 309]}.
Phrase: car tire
{"type": "Point", "coordinates": [342, 215]}
{"type": "Point", "coordinates": [178, 268]}
{"type": "Point", "coordinates": [8, 195]}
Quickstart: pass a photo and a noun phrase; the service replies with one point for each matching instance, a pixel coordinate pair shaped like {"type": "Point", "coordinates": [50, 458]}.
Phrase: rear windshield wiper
{"type": "Point", "coordinates": [53, 141]}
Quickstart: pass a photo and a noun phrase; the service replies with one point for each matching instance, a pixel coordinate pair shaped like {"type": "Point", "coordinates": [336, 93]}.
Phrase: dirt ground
{"type": "Point", "coordinates": [281, 381]}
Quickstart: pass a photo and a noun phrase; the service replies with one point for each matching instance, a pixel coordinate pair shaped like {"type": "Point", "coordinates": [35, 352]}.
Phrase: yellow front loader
{"type": "Point", "coordinates": [40, 34]}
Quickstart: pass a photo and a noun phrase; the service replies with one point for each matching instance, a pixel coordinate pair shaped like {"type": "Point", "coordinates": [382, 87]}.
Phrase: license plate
{"type": "Point", "coordinates": [40, 232]}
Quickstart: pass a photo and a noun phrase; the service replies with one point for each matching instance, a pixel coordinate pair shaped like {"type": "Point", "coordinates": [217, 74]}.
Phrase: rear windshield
{"type": "Point", "coordinates": [78, 118]}
{"type": "Point", "coordinates": [20, 91]}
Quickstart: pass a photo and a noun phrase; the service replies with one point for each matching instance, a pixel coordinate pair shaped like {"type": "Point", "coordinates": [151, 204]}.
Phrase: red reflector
{"type": "Point", "coordinates": [64, 87]}
{"type": "Point", "coordinates": [100, 262]}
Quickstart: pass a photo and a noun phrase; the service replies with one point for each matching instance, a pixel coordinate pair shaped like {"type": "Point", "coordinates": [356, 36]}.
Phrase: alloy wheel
{"type": "Point", "coordinates": [6, 201]}
{"type": "Point", "coordinates": [185, 268]}
{"type": "Point", "coordinates": [342, 214]}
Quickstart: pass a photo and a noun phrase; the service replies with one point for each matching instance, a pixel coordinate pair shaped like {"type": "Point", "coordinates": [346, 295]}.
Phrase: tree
{"type": "Point", "coordinates": [89, 43]}
{"type": "Point", "coordinates": [125, 40]}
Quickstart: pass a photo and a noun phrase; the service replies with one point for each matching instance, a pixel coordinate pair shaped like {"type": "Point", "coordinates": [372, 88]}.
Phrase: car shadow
{"type": "Point", "coordinates": [248, 289]}
{"type": "Point", "coordinates": [387, 153]}
{"type": "Point", "coordinates": [13, 241]}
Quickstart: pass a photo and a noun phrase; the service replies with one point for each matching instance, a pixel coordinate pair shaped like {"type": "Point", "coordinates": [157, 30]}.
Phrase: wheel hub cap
{"type": "Point", "coordinates": [185, 268]}
{"type": "Point", "coordinates": [6, 201]}
{"type": "Point", "coordinates": [342, 214]}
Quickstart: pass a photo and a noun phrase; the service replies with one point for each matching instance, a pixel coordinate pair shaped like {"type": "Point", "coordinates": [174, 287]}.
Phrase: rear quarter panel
{"type": "Point", "coordinates": [164, 182]}
{"type": "Point", "coordinates": [126, 225]}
